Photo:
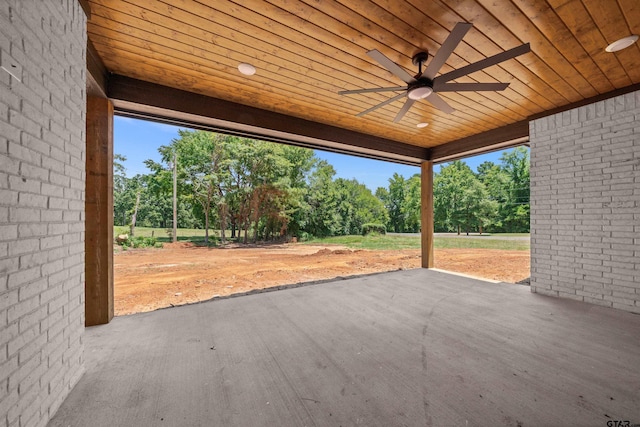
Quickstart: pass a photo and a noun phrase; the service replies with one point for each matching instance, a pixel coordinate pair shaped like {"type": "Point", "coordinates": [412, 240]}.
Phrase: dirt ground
{"type": "Point", "coordinates": [180, 273]}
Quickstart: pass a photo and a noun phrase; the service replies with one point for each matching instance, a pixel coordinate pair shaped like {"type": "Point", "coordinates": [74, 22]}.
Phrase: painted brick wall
{"type": "Point", "coordinates": [585, 203]}
{"type": "Point", "coordinates": [42, 180]}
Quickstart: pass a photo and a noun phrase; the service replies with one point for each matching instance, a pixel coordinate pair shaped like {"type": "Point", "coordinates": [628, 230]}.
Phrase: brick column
{"type": "Point", "coordinates": [42, 195]}
{"type": "Point", "coordinates": [585, 203]}
{"type": "Point", "coordinates": [99, 213]}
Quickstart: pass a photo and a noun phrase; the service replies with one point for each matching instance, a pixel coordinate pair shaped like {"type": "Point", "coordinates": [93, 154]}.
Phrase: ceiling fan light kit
{"type": "Point", "coordinates": [419, 92]}
{"type": "Point", "coordinates": [425, 85]}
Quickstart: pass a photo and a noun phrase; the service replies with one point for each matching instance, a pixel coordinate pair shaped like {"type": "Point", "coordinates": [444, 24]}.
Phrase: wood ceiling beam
{"type": "Point", "coordinates": [592, 100]}
{"type": "Point", "coordinates": [141, 99]}
{"type": "Point", "coordinates": [86, 7]}
{"type": "Point", "coordinates": [495, 139]}
{"type": "Point", "coordinates": [97, 73]}
{"type": "Point", "coordinates": [511, 135]}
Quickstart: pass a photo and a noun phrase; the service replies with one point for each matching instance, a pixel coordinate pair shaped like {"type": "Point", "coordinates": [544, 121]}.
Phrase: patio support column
{"type": "Point", "coordinates": [426, 213]}
{"type": "Point", "coordinates": [99, 212]}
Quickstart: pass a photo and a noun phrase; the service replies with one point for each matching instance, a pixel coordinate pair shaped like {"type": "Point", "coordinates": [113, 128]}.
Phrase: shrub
{"type": "Point", "coordinates": [143, 242]}
{"type": "Point", "coordinates": [140, 242]}
{"type": "Point", "coordinates": [304, 237]}
{"type": "Point", "coordinates": [373, 228]}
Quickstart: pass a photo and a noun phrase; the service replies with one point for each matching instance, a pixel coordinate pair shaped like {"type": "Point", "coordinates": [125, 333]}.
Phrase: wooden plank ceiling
{"type": "Point", "coordinates": [305, 51]}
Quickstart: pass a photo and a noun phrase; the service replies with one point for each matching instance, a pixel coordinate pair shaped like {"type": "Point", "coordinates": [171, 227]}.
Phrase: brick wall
{"type": "Point", "coordinates": [585, 203]}
{"type": "Point", "coordinates": [42, 180]}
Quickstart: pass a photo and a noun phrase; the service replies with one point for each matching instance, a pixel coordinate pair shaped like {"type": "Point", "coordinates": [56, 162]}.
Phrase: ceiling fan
{"type": "Point", "coordinates": [425, 84]}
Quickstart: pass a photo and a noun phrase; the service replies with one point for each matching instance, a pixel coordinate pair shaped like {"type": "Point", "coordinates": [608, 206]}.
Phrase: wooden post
{"type": "Point", "coordinates": [426, 213]}
{"type": "Point", "coordinates": [98, 287]}
{"type": "Point", "coordinates": [174, 237]}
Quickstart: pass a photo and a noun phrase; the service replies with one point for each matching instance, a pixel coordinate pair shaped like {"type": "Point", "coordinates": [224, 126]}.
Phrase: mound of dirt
{"type": "Point", "coordinates": [329, 252]}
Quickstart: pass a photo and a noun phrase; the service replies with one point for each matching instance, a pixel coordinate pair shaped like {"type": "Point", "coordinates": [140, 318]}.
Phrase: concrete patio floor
{"type": "Point", "coordinates": [408, 348]}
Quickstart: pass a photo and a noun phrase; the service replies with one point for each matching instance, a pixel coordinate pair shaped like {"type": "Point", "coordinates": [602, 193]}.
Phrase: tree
{"type": "Point", "coordinates": [174, 167]}
{"type": "Point", "coordinates": [516, 207]}
{"type": "Point", "coordinates": [302, 162]}
{"type": "Point", "coordinates": [412, 205]}
{"type": "Point", "coordinates": [160, 186]}
{"type": "Point", "coordinates": [474, 205]}
{"type": "Point", "coordinates": [458, 197]}
{"type": "Point", "coordinates": [136, 186]}
{"type": "Point", "coordinates": [133, 203]}
{"type": "Point", "coordinates": [495, 181]}
{"type": "Point", "coordinates": [258, 177]}
{"type": "Point", "coordinates": [119, 173]}
{"type": "Point", "coordinates": [395, 201]}
{"type": "Point", "coordinates": [323, 218]}
{"type": "Point", "coordinates": [202, 163]}
{"type": "Point", "coordinates": [120, 202]}
{"type": "Point", "coordinates": [356, 206]}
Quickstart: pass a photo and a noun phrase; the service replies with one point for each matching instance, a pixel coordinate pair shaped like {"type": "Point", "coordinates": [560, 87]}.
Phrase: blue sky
{"type": "Point", "coordinates": [139, 140]}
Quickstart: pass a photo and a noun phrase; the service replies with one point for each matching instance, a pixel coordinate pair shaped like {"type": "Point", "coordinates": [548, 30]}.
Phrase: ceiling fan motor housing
{"type": "Point", "coordinates": [420, 89]}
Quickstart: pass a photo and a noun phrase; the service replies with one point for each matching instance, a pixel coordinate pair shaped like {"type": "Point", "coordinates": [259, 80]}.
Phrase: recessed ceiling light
{"type": "Point", "coordinates": [422, 125]}
{"type": "Point", "coordinates": [622, 43]}
{"type": "Point", "coordinates": [247, 69]}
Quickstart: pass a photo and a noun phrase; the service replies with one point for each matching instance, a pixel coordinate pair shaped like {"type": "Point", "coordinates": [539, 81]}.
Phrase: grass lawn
{"type": "Point", "coordinates": [383, 242]}
{"type": "Point", "coordinates": [485, 235]}
{"type": "Point", "coordinates": [373, 242]}
{"type": "Point", "coordinates": [161, 235]}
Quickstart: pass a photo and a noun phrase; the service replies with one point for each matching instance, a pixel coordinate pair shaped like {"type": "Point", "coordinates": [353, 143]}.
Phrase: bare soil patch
{"type": "Point", "coordinates": [181, 273]}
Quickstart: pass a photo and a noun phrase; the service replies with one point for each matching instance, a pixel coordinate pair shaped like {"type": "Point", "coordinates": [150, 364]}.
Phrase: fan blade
{"type": "Point", "coordinates": [440, 103]}
{"type": "Point", "coordinates": [446, 49]}
{"type": "Point", "coordinates": [382, 104]}
{"type": "Point", "coordinates": [404, 110]}
{"type": "Point", "coordinates": [381, 89]}
{"type": "Point", "coordinates": [391, 66]}
{"type": "Point", "coordinates": [487, 62]}
{"type": "Point", "coordinates": [468, 87]}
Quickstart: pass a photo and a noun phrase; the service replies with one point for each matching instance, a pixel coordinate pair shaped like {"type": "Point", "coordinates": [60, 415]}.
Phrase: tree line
{"type": "Point", "coordinates": [493, 199]}
{"type": "Point", "coordinates": [253, 190]}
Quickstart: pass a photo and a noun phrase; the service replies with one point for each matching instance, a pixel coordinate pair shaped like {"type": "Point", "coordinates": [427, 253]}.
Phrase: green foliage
{"type": "Point", "coordinates": [459, 199]}
{"type": "Point", "coordinates": [394, 202]}
{"type": "Point", "coordinates": [117, 231]}
{"type": "Point", "coordinates": [357, 206]}
{"type": "Point", "coordinates": [256, 190]}
{"type": "Point", "coordinates": [140, 242]}
{"type": "Point", "coordinates": [515, 210]}
{"type": "Point", "coordinates": [496, 199]}
{"type": "Point", "coordinates": [323, 219]}
{"type": "Point", "coordinates": [371, 228]}
{"type": "Point", "coordinates": [412, 205]}
{"type": "Point", "coordinates": [402, 201]}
